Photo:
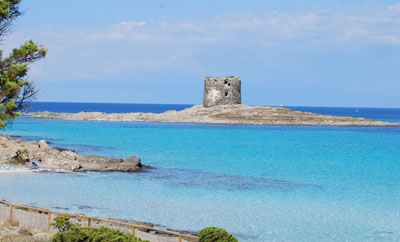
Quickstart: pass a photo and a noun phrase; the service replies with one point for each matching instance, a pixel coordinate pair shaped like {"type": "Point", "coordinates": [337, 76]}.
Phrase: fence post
{"type": "Point", "coordinates": [89, 221]}
{"type": "Point", "coordinates": [11, 212]}
{"type": "Point", "coordinates": [133, 230]}
{"type": "Point", "coordinates": [180, 237]}
{"type": "Point", "coordinates": [48, 220]}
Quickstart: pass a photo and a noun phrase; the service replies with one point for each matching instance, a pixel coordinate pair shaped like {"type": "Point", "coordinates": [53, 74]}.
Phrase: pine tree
{"type": "Point", "coordinates": [15, 90]}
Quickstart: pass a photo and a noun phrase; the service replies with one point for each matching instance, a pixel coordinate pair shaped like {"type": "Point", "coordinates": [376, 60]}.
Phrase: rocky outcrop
{"type": "Point", "coordinates": [46, 157]}
{"type": "Point", "coordinates": [223, 114]}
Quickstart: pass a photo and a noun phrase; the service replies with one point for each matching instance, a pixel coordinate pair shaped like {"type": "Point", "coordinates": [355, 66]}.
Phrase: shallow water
{"type": "Point", "coordinates": [262, 183]}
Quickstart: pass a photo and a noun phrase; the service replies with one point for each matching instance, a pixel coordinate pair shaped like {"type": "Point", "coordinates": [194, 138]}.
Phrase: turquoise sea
{"type": "Point", "coordinates": [261, 183]}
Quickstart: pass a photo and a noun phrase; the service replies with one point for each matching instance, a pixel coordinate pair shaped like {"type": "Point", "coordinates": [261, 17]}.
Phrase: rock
{"type": "Point", "coordinates": [52, 158]}
{"type": "Point", "coordinates": [96, 163]}
{"type": "Point", "coordinates": [223, 114]}
{"type": "Point", "coordinates": [43, 144]}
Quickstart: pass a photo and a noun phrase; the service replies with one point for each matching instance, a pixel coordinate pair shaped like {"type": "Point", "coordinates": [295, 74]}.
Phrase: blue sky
{"type": "Point", "coordinates": [291, 53]}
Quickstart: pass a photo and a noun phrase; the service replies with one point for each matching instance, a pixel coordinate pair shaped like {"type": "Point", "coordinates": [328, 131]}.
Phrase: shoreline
{"type": "Point", "coordinates": [39, 156]}
{"type": "Point", "coordinates": [15, 170]}
{"type": "Point", "coordinates": [223, 114]}
{"type": "Point", "coordinates": [21, 169]}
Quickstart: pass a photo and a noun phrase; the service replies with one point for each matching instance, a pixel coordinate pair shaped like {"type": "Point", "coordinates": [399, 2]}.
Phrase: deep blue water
{"type": "Point", "coordinates": [262, 183]}
{"type": "Point", "coordinates": [383, 114]}
{"type": "Point", "coordinates": [64, 107]}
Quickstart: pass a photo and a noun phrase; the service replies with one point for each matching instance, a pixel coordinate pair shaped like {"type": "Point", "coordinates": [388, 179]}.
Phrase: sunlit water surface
{"type": "Point", "coordinates": [261, 183]}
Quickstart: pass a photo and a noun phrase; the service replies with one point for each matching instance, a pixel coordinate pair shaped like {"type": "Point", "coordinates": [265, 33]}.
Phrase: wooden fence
{"type": "Point", "coordinates": [42, 218]}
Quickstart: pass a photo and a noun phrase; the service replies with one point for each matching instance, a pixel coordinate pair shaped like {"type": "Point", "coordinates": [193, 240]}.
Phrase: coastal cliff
{"type": "Point", "coordinates": [222, 114]}
{"type": "Point", "coordinates": [46, 157]}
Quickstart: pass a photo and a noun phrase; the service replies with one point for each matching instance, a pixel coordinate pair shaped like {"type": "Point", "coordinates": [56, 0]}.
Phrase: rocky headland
{"type": "Point", "coordinates": [20, 154]}
{"type": "Point", "coordinates": [222, 114]}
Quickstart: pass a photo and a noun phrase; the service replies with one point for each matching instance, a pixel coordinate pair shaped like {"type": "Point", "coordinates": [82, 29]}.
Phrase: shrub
{"type": "Point", "coordinates": [69, 232]}
{"type": "Point", "coordinates": [62, 223]}
{"type": "Point", "coordinates": [214, 234]}
{"type": "Point", "coordinates": [20, 157]}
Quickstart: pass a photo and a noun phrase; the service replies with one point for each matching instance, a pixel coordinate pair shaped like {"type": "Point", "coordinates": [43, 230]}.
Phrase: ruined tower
{"type": "Point", "coordinates": [222, 91]}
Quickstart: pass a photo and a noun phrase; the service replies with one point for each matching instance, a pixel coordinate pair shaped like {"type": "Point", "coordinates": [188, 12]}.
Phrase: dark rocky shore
{"type": "Point", "coordinates": [20, 153]}
{"type": "Point", "coordinates": [223, 114]}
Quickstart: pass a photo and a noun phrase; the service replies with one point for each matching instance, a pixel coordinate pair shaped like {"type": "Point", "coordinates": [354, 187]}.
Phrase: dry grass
{"type": "Point", "coordinates": [10, 231]}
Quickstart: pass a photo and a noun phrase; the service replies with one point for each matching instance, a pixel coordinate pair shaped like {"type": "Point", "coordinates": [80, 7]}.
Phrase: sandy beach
{"type": "Point", "coordinates": [21, 169]}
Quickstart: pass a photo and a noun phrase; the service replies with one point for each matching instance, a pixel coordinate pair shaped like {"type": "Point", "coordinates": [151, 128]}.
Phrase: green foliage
{"type": "Point", "coordinates": [90, 234]}
{"type": "Point", "coordinates": [62, 223]}
{"type": "Point", "coordinates": [21, 157]}
{"type": "Point", "coordinates": [69, 232]}
{"type": "Point", "coordinates": [22, 208]}
{"type": "Point", "coordinates": [15, 89]}
{"type": "Point", "coordinates": [6, 7]}
{"type": "Point", "coordinates": [215, 234]}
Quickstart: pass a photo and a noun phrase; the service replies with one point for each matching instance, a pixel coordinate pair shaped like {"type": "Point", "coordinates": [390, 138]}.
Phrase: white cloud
{"type": "Point", "coordinates": [137, 46]}
{"type": "Point", "coordinates": [83, 76]}
{"type": "Point", "coordinates": [368, 24]}
{"type": "Point", "coordinates": [395, 7]}
{"type": "Point", "coordinates": [130, 25]}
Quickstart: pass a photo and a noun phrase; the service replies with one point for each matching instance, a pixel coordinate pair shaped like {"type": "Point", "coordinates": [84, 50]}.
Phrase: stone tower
{"type": "Point", "coordinates": [222, 91]}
